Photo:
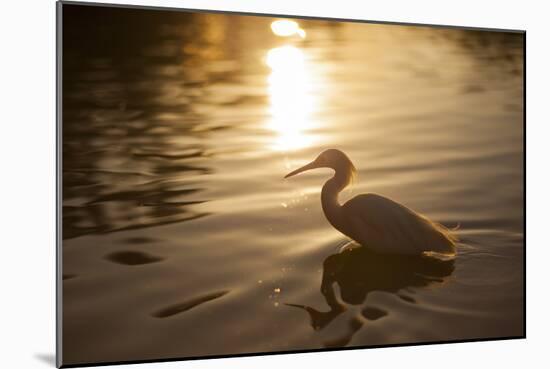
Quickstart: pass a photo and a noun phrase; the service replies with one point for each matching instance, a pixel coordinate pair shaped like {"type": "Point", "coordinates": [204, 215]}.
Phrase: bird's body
{"type": "Point", "coordinates": [375, 221]}
{"type": "Point", "coordinates": [395, 229]}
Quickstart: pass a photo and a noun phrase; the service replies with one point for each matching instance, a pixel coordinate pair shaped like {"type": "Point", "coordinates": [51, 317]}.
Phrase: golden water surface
{"type": "Point", "coordinates": [180, 236]}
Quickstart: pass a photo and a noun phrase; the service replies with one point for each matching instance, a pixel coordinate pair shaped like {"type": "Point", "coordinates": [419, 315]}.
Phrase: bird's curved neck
{"type": "Point", "coordinates": [329, 199]}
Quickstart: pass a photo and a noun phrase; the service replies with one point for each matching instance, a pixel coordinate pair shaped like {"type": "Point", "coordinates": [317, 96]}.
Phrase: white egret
{"type": "Point", "coordinates": [376, 222]}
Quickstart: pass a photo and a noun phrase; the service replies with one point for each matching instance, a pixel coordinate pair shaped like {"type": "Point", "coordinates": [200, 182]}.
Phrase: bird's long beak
{"type": "Point", "coordinates": [309, 166]}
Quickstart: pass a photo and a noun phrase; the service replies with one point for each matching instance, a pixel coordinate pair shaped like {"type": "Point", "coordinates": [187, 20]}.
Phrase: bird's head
{"type": "Point", "coordinates": [331, 158]}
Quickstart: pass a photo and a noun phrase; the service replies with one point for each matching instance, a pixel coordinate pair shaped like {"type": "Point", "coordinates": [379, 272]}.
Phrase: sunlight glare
{"type": "Point", "coordinates": [291, 98]}
{"type": "Point", "coordinates": [286, 28]}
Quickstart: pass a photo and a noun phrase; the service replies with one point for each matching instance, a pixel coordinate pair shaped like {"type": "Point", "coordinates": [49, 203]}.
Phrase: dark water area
{"type": "Point", "coordinates": [180, 236]}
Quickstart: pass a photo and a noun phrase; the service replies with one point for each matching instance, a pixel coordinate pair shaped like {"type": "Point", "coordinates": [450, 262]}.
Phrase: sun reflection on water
{"type": "Point", "coordinates": [286, 28]}
{"type": "Point", "coordinates": [292, 102]}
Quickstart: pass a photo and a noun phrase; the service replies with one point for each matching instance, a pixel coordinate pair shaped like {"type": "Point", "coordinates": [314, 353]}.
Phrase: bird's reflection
{"type": "Point", "coordinates": [358, 271]}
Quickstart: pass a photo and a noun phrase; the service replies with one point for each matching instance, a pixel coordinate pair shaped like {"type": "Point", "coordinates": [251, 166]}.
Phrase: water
{"type": "Point", "coordinates": [180, 236]}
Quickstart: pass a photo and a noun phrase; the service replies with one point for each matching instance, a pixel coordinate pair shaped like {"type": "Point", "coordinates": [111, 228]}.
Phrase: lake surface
{"type": "Point", "coordinates": [180, 236]}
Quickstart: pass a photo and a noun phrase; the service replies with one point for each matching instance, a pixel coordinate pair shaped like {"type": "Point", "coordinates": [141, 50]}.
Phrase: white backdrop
{"type": "Point", "coordinates": [27, 207]}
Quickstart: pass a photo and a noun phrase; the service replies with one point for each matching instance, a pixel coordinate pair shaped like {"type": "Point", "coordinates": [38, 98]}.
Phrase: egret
{"type": "Point", "coordinates": [374, 221]}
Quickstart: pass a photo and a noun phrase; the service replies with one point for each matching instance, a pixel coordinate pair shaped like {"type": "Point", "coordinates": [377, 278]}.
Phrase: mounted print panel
{"type": "Point", "coordinates": [239, 184]}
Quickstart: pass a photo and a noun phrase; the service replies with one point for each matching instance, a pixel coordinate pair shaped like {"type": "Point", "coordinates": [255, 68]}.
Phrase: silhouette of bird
{"type": "Point", "coordinates": [375, 221]}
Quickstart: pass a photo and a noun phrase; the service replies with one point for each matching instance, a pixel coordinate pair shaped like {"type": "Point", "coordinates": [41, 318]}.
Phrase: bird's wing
{"type": "Point", "coordinates": [385, 225]}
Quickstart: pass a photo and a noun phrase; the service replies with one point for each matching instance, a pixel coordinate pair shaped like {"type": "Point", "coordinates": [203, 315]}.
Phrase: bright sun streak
{"type": "Point", "coordinates": [286, 28]}
{"type": "Point", "coordinates": [291, 98]}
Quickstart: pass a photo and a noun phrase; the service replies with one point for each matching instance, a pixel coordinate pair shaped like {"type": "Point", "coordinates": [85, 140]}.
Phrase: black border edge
{"type": "Point", "coordinates": [58, 182]}
{"type": "Point", "coordinates": [525, 184]}
{"type": "Point", "coordinates": [59, 305]}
